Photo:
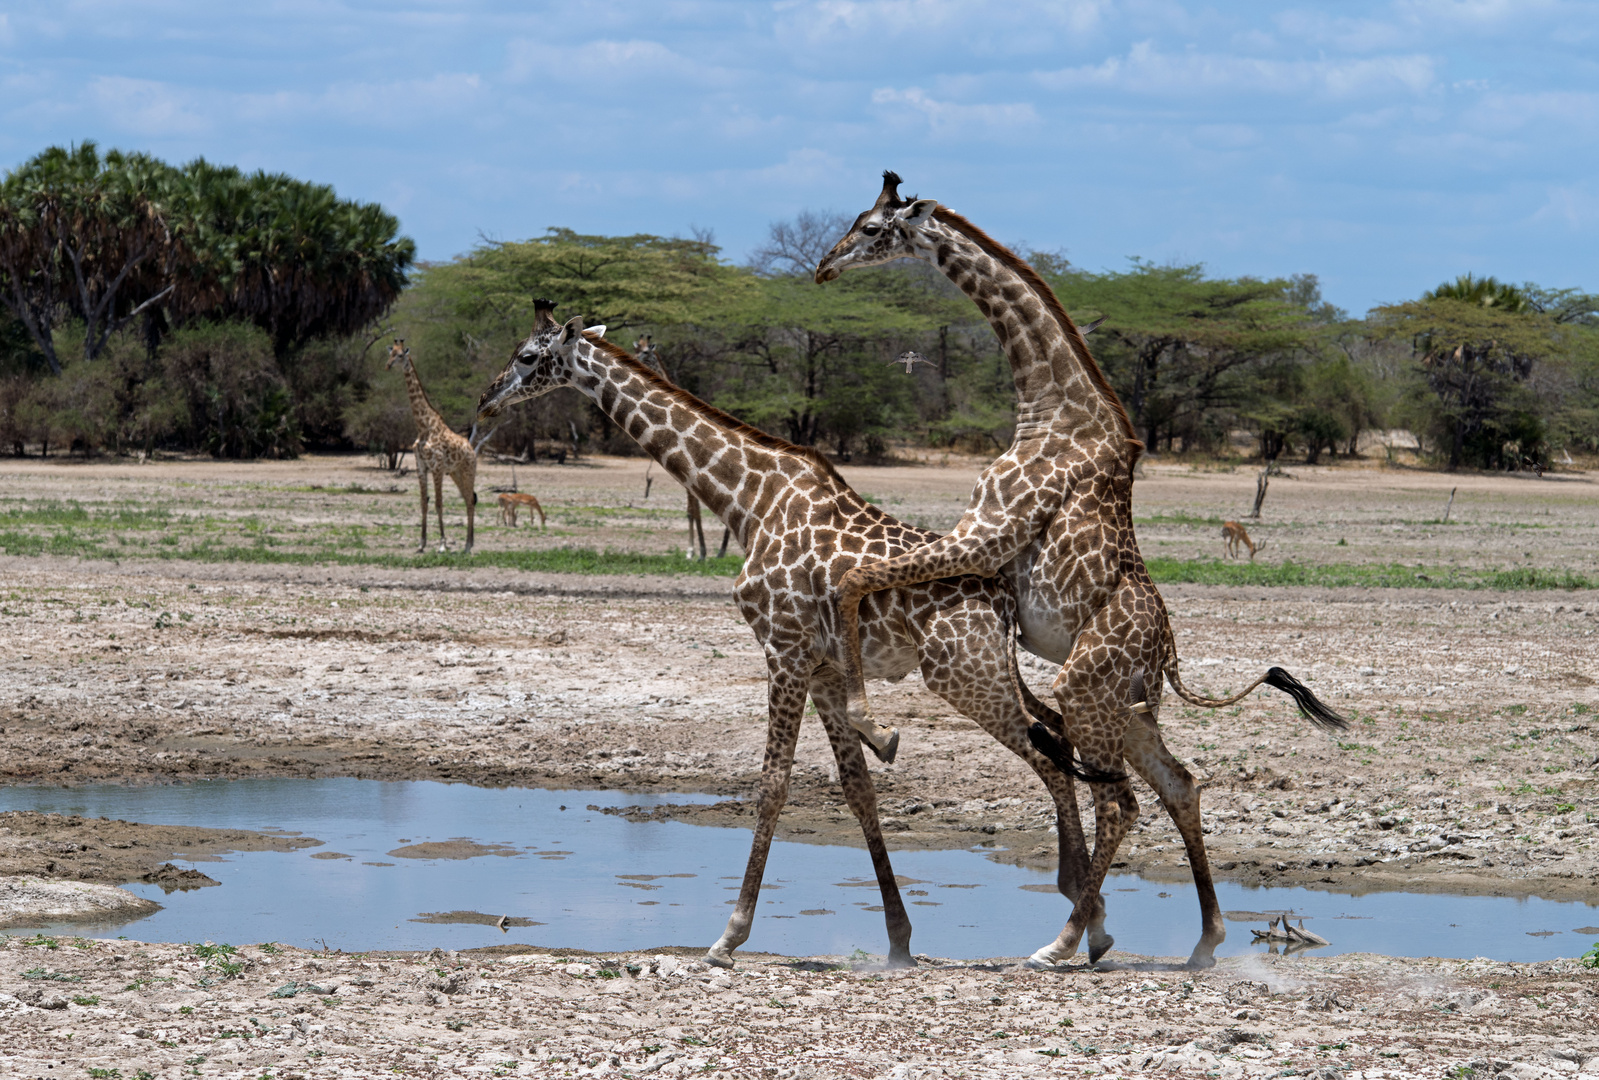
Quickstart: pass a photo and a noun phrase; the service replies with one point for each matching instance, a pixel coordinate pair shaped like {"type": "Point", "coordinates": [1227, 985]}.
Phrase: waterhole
{"type": "Point", "coordinates": [414, 865]}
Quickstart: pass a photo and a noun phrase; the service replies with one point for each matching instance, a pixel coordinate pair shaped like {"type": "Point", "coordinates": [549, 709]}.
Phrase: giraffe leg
{"type": "Point", "coordinates": [856, 781]}
{"type": "Point", "coordinates": [422, 482]}
{"type": "Point", "coordinates": [1180, 795]}
{"type": "Point", "coordinates": [438, 504]}
{"type": "Point", "coordinates": [949, 556]}
{"type": "Point", "coordinates": [1092, 690]}
{"type": "Point", "coordinates": [965, 661]}
{"type": "Point", "coordinates": [785, 706]}
{"type": "Point", "coordinates": [465, 484]}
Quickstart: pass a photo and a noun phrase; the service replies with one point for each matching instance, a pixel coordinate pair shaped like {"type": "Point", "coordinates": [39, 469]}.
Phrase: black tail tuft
{"type": "Point", "coordinates": [1309, 706]}
{"type": "Point", "coordinates": [1059, 752]}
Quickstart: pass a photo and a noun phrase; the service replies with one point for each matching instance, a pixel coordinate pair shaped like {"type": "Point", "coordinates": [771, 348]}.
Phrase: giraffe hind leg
{"type": "Point", "coordinates": [1180, 796]}
{"type": "Point", "coordinates": [861, 796]}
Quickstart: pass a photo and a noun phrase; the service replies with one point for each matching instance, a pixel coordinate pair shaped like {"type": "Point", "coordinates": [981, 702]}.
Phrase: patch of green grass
{"type": "Point", "coordinates": [1591, 957]}
{"type": "Point", "coordinates": [1370, 575]}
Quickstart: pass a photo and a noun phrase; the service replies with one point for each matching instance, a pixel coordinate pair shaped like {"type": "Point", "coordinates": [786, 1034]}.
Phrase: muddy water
{"type": "Point", "coordinates": [419, 864]}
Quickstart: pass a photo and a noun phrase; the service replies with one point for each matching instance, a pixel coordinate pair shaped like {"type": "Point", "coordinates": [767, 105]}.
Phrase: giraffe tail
{"type": "Point", "coordinates": [1047, 731]}
{"type": "Point", "coordinates": [1310, 706]}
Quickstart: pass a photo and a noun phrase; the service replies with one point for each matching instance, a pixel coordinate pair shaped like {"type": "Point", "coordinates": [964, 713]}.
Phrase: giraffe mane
{"type": "Point", "coordinates": [711, 412]}
{"type": "Point", "coordinates": [1054, 307]}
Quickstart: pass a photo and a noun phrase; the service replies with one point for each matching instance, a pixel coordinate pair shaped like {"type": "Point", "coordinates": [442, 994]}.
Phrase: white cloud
{"type": "Point", "coordinates": [819, 20]}
{"type": "Point", "coordinates": [1574, 205]}
{"type": "Point", "coordinates": [145, 107]}
{"type": "Point", "coordinates": [1147, 70]}
{"type": "Point", "coordinates": [7, 35]}
{"type": "Point", "coordinates": [606, 62]}
{"type": "Point", "coordinates": [948, 117]}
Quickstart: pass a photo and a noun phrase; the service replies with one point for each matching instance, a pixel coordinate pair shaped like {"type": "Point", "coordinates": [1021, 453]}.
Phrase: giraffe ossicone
{"type": "Point", "coordinates": [1052, 517]}
{"type": "Point", "coordinates": [803, 527]}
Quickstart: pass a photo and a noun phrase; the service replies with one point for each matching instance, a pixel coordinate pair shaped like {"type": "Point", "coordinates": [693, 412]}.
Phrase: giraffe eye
{"type": "Point", "coordinates": [871, 230]}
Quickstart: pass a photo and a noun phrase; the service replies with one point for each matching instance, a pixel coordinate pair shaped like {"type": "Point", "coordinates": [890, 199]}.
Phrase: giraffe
{"type": "Point", "coordinates": [803, 527]}
{"type": "Point", "coordinates": [438, 451]}
{"type": "Point", "coordinates": [1052, 515]}
{"type": "Point", "coordinates": [1237, 538]}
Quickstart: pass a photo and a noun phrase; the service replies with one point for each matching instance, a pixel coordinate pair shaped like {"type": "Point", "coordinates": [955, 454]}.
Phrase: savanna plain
{"type": "Point", "coordinates": [184, 619]}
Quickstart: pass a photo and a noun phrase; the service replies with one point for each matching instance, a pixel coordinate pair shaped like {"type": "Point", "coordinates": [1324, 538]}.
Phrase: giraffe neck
{"type": "Point", "coordinates": [1056, 378]}
{"type": "Point", "coordinates": [735, 470]}
{"type": "Point", "coordinates": [428, 421]}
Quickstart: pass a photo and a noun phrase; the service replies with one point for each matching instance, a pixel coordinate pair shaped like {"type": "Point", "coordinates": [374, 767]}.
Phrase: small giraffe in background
{"type": "Point", "coordinates": [1237, 538]}
{"type": "Point", "coordinates": [644, 348]}
{"type": "Point", "coordinates": [438, 451]}
{"type": "Point", "coordinates": [510, 500]}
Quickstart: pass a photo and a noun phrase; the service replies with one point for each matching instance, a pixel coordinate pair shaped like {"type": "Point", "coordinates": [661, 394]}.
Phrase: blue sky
{"type": "Point", "coordinates": [1384, 146]}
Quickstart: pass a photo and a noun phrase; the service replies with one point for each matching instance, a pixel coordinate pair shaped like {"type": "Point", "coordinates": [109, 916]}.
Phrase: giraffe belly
{"type": "Point", "coordinates": [1042, 636]}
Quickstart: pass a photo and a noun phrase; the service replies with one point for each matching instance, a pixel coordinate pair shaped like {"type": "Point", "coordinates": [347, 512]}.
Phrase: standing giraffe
{"type": "Point", "coordinates": [650, 357]}
{"type": "Point", "coordinates": [803, 527]}
{"type": "Point", "coordinates": [1052, 515]}
{"type": "Point", "coordinates": [438, 451]}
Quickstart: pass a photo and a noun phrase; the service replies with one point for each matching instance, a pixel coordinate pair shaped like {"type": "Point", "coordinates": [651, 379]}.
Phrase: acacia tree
{"type": "Point", "coordinates": [1185, 350]}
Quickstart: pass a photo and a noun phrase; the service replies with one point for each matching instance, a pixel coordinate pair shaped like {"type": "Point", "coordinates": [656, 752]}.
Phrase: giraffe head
{"type": "Point", "coordinates": [889, 230]}
{"type": "Point", "coordinates": [540, 364]}
{"type": "Point", "coordinates": [397, 353]}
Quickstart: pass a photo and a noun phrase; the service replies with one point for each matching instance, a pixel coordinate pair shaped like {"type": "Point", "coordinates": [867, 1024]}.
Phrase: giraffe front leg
{"type": "Point", "coordinates": [785, 707]}
{"type": "Point", "coordinates": [884, 741]}
{"type": "Point", "coordinates": [856, 781]}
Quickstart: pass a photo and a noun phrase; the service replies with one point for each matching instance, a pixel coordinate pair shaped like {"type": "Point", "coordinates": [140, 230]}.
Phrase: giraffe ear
{"type": "Point", "coordinates": [918, 212]}
{"type": "Point", "coordinates": [572, 330]}
{"type": "Point", "coordinates": [595, 331]}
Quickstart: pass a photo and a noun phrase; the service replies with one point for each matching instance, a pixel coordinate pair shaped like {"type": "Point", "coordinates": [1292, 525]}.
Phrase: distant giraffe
{"type": "Point", "coordinates": [1237, 538]}
{"type": "Point", "coordinates": [438, 451]}
{"type": "Point", "coordinates": [510, 500]}
{"type": "Point", "coordinates": [644, 348]}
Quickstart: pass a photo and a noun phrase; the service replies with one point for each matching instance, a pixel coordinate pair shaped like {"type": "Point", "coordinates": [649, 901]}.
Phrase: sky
{"type": "Point", "coordinates": [1384, 146]}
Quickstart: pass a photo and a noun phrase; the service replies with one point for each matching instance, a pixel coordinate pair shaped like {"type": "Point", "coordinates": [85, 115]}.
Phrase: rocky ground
{"type": "Point", "coordinates": [73, 1007]}
{"type": "Point", "coordinates": [1472, 766]}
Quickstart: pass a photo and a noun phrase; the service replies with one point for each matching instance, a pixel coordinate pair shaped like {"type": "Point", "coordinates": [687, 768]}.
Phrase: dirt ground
{"type": "Point", "coordinates": [69, 1008]}
{"type": "Point", "coordinates": [1472, 765]}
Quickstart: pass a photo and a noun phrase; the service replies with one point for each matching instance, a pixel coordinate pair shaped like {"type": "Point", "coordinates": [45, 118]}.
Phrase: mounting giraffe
{"type": "Point", "coordinates": [1052, 516]}
{"type": "Point", "coordinates": [1237, 538]}
{"type": "Point", "coordinates": [803, 526]}
{"type": "Point", "coordinates": [648, 355]}
{"type": "Point", "coordinates": [438, 451]}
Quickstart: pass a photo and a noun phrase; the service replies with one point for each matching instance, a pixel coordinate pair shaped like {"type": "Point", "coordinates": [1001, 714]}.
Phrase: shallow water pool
{"type": "Point", "coordinates": [591, 880]}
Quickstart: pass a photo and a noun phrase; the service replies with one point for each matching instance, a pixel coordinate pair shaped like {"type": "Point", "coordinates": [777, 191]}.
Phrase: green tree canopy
{"type": "Point", "coordinates": [1477, 342]}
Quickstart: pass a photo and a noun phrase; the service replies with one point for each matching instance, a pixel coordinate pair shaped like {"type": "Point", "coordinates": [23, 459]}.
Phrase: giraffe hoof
{"type": "Point", "coordinates": [1044, 960]}
{"type": "Point", "coordinates": [717, 960]}
{"type": "Point", "coordinates": [889, 749]}
{"type": "Point", "coordinates": [900, 958]}
{"type": "Point", "coordinates": [1096, 950]}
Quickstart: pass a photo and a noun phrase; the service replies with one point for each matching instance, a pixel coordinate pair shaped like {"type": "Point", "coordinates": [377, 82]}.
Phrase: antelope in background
{"type": "Point", "coordinates": [1237, 538]}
